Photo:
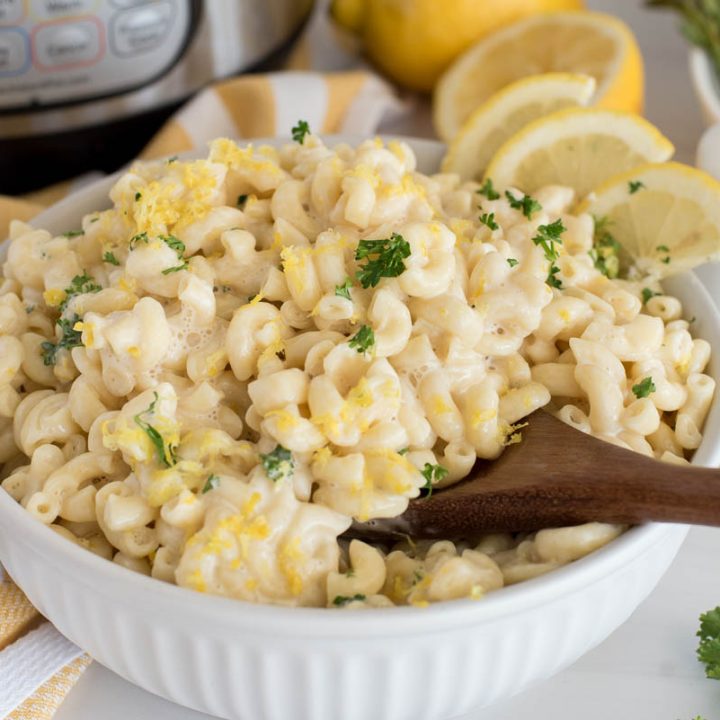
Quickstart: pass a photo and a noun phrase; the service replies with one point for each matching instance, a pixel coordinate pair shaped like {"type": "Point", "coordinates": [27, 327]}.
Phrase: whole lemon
{"type": "Point", "coordinates": [413, 41]}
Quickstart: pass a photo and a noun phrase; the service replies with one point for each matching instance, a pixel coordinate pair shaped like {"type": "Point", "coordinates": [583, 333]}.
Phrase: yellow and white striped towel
{"type": "Point", "coordinates": [37, 665]}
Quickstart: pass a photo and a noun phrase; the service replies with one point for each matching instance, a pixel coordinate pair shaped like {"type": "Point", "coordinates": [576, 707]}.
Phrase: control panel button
{"type": "Point", "coordinates": [14, 52]}
{"type": "Point", "coordinates": [52, 9]}
{"type": "Point", "coordinates": [59, 45]}
{"type": "Point", "coordinates": [140, 29]}
{"type": "Point", "coordinates": [11, 11]}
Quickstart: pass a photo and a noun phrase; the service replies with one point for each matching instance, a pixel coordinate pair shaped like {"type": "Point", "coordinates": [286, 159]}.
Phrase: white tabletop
{"type": "Point", "coordinates": [647, 670]}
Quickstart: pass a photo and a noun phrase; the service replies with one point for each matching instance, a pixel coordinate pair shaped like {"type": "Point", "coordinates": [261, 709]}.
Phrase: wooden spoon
{"type": "Point", "coordinates": [557, 476]}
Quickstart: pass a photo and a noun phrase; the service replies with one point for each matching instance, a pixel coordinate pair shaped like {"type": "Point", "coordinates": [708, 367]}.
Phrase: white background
{"type": "Point", "coordinates": [647, 670]}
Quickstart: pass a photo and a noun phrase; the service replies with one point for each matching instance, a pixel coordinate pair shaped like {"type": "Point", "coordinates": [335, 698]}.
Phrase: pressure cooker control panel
{"type": "Point", "coordinates": [54, 52]}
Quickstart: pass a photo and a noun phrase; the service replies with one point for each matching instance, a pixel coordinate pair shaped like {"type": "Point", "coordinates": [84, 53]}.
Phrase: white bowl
{"type": "Point", "coordinates": [243, 661]}
{"type": "Point", "coordinates": [706, 85]}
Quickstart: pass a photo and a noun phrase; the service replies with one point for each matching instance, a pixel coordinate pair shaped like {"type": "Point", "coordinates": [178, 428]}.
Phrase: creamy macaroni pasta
{"type": "Point", "coordinates": [209, 381]}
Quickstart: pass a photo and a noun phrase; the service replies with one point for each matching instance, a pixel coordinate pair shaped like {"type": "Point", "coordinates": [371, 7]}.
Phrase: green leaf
{"type": "Point", "coordinates": [138, 196]}
{"type": "Point", "coordinates": [488, 190]}
{"type": "Point", "coordinates": [140, 237]}
{"type": "Point", "coordinates": [73, 233]}
{"type": "Point", "coordinates": [433, 474]}
{"type": "Point", "coordinates": [165, 452]}
{"type": "Point", "coordinates": [384, 259]}
{"type": "Point", "coordinates": [512, 262]}
{"type": "Point", "coordinates": [212, 483]}
{"type": "Point", "coordinates": [489, 221]}
{"type": "Point", "coordinates": [647, 294]}
{"type": "Point", "coordinates": [342, 600]}
{"type": "Point", "coordinates": [344, 289]}
{"type": "Point", "coordinates": [300, 131]}
{"type": "Point", "coordinates": [278, 464]}
{"type": "Point", "coordinates": [79, 285]}
{"type": "Point", "coordinates": [69, 339]}
{"type": "Point", "coordinates": [363, 339]}
{"type": "Point", "coordinates": [109, 257]}
{"type": "Point", "coordinates": [241, 200]}
{"type": "Point", "coordinates": [526, 204]}
{"type": "Point", "coordinates": [547, 236]}
{"type": "Point", "coordinates": [635, 185]}
{"type": "Point", "coordinates": [644, 388]}
{"type": "Point", "coordinates": [175, 268]}
{"type": "Point", "coordinates": [605, 252]}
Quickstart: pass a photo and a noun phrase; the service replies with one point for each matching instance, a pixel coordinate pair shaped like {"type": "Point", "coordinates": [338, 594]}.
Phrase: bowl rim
{"type": "Point", "coordinates": [705, 82]}
{"type": "Point", "coordinates": [301, 622]}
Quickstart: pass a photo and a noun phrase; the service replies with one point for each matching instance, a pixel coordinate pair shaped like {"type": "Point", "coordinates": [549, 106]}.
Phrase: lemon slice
{"type": "Point", "coordinates": [666, 217]}
{"type": "Point", "coordinates": [591, 43]}
{"type": "Point", "coordinates": [579, 147]}
{"type": "Point", "coordinates": [508, 111]}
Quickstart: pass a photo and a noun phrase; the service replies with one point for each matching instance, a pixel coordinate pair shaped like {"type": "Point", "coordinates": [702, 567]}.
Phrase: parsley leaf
{"type": "Point", "coordinates": [433, 474]}
{"type": "Point", "coordinates": [73, 233]}
{"type": "Point", "coordinates": [342, 600]}
{"type": "Point", "coordinates": [241, 200]}
{"type": "Point", "coordinates": [179, 247]}
{"type": "Point", "coordinates": [300, 131]}
{"type": "Point", "coordinates": [644, 388]}
{"type": "Point", "coordinates": [403, 451]}
{"type": "Point", "coordinates": [212, 482]}
{"type": "Point", "coordinates": [488, 190]}
{"type": "Point", "coordinates": [278, 464]}
{"type": "Point", "coordinates": [635, 185]}
{"type": "Point", "coordinates": [665, 260]}
{"type": "Point", "coordinates": [175, 268]}
{"type": "Point", "coordinates": [165, 451]}
{"type": "Point", "coordinates": [547, 236]}
{"type": "Point", "coordinates": [140, 237]}
{"type": "Point", "coordinates": [344, 289]}
{"type": "Point", "coordinates": [662, 248]}
{"type": "Point", "coordinates": [138, 196]}
{"type": "Point", "coordinates": [172, 159]}
{"type": "Point", "coordinates": [384, 259]}
{"type": "Point", "coordinates": [605, 251]}
{"type": "Point", "coordinates": [363, 339]}
{"type": "Point", "coordinates": [527, 204]}
{"type": "Point", "coordinates": [70, 338]}
{"type": "Point", "coordinates": [489, 220]}
{"type": "Point", "coordinates": [708, 651]}
{"type": "Point", "coordinates": [109, 257]}
{"type": "Point", "coordinates": [512, 262]}
{"type": "Point", "coordinates": [647, 294]}
{"type": "Point", "coordinates": [79, 285]}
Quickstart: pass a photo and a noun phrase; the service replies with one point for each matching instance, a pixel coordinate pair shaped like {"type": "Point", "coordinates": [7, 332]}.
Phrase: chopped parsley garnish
{"type": "Point", "coordinates": [489, 220]}
{"type": "Point", "coordinates": [433, 474]}
{"type": "Point", "coordinates": [300, 131]}
{"type": "Point", "coordinates": [644, 388]}
{"type": "Point", "coordinates": [488, 190]}
{"type": "Point", "coordinates": [403, 451]}
{"type": "Point", "coordinates": [665, 260]}
{"type": "Point", "coordinates": [108, 257]}
{"type": "Point", "coordinates": [212, 482]}
{"type": "Point", "coordinates": [138, 196]}
{"type": "Point", "coordinates": [512, 262]}
{"type": "Point", "coordinates": [172, 159]}
{"type": "Point", "coordinates": [647, 294]}
{"type": "Point", "coordinates": [547, 236]}
{"type": "Point", "coordinates": [605, 251]}
{"type": "Point", "coordinates": [384, 259]}
{"type": "Point", "coordinates": [140, 237]}
{"type": "Point", "coordinates": [635, 185]}
{"type": "Point", "coordinates": [662, 248]}
{"type": "Point", "coordinates": [165, 451]}
{"type": "Point", "coordinates": [73, 233]}
{"type": "Point", "coordinates": [70, 338]}
{"type": "Point", "coordinates": [278, 464]}
{"type": "Point", "coordinates": [363, 339]}
{"type": "Point", "coordinates": [343, 290]}
{"type": "Point", "coordinates": [175, 268]}
{"type": "Point", "coordinates": [342, 600]}
{"type": "Point", "coordinates": [79, 285]}
{"type": "Point", "coordinates": [708, 651]}
{"type": "Point", "coordinates": [526, 204]}
{"type": "Point", "coordinates": [241, 200]}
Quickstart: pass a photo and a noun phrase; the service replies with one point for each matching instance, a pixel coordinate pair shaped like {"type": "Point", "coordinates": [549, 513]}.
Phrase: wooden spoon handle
{"type": "Point", "coordinates": [654, 491]}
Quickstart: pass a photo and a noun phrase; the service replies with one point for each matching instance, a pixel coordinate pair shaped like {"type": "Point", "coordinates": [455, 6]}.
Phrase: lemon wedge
{"type": "Point", "coordinates": [666, 217]}
{"type": "Point", "coordinates": [578, 147]}
{"type": "Point", "coordinates": [576, 42]}
{"type": "Point", "coordinates": [508, 111]}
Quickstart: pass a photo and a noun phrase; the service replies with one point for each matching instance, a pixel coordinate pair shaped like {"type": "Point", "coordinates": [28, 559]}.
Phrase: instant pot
{"type": "Point", "coordinates": [85, 83]}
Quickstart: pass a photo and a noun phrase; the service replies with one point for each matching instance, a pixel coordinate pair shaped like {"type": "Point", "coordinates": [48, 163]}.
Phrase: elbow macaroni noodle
{"type": "Point", "coordinates": [184, 387]}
